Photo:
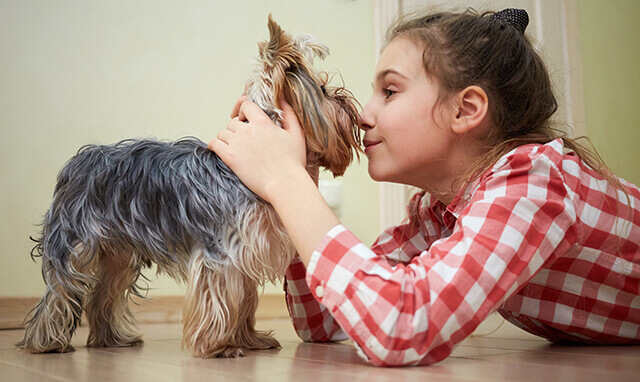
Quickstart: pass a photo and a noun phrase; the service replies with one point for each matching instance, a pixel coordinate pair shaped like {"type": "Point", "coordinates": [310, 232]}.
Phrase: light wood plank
{"type": "Point", "coordinates": [161, 358]}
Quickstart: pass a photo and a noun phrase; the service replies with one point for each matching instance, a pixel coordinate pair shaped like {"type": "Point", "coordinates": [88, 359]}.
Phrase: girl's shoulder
{"type": "Point", "coordinates": [536, 166]}
{"type": "Point", "coordinates": [552, 151]}
{"type": "Point", "coordinates": [552, 161]}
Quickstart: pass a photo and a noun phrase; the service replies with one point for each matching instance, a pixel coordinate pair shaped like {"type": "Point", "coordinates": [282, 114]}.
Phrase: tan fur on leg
{"type": "Point", "coordinates": [110, 319]}
{"type": "Point", "coordinates": [247, 336]}
{"type": "Point", "coordinates": [268, 250]}
{"type": "Point", "coordinates": [51, 324]}
{"type": "Point", "coordinates": [209, 311]}
{"type": "Point", "coordinates": [219, 310]}
{"type": "Point", "coordinates": [216, 322]}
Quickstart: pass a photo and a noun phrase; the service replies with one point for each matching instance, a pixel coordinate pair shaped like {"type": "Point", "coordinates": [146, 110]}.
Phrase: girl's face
{"type": "Point", "coordinates": [407, 136]}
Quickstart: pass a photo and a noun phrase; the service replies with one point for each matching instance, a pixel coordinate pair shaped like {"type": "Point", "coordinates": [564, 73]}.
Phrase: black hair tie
{"type": "Point", "coordinates": [517, 18]}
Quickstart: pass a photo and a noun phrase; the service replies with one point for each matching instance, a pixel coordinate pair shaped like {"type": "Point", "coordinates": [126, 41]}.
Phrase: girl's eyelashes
{"type": "Point", "coordinates": [388, 93]}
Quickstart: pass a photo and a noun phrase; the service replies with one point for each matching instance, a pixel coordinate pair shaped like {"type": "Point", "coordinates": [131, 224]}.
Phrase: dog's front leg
{"type": "Point", "coordinates": [210, 311]}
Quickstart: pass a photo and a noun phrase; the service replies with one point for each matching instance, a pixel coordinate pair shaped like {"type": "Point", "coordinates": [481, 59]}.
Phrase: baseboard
{"type": "Point", "coordinates": [161, 309]}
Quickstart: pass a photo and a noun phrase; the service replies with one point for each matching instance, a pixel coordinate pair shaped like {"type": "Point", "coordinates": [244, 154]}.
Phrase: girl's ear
{"type": "Point", "coordinates": [472, 105]}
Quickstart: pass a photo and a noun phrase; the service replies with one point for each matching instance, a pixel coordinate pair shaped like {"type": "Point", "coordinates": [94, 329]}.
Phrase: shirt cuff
{"type": "Point", "coordinates": [332, 265]}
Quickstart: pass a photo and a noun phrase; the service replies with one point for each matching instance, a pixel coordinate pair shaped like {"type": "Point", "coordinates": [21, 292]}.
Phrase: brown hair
{"type": "Point", "coordinates": [464, 49]}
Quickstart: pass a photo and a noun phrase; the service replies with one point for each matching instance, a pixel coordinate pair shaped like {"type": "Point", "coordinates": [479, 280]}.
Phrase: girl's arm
{"type": "Point", "coordinates": [397, 244]}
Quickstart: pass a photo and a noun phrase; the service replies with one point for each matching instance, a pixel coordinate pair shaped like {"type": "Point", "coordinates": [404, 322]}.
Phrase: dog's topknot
{"type": "Point", "coordinates": [328, 115]}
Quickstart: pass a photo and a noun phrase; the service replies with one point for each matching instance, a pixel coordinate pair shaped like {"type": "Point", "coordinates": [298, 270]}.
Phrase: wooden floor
{"type": "Point", "coordinates": [503, 356]}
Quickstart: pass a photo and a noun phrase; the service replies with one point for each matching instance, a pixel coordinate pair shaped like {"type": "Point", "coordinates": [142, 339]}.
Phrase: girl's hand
{"type": "Point", "coordinates": [260, 153]}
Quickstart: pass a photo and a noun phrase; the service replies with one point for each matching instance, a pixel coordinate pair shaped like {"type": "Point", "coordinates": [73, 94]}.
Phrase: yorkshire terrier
{"type": "Point", "coordinates": [120, 208]}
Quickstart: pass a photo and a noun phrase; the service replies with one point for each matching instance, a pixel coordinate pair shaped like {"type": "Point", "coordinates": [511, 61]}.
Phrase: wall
{"type": "Point", "coordinates": [77, 72]}
{"type": "Point", "coordinates": [611, 52]}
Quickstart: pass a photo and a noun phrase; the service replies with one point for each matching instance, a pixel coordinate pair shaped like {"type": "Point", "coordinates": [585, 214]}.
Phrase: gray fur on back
{"type": "Point", "coordinates": [130, 191]}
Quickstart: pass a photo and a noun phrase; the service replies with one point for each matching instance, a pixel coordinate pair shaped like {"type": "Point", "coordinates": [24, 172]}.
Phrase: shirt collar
{"type": "Point", "coordinates": [449, 213]}
{"type": "Point", "coordinates": [462, 198]}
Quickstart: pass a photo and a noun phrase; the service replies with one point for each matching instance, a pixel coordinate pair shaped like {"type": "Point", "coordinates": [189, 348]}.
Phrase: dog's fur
{"type": "Point", "coordinates": [120, 208]}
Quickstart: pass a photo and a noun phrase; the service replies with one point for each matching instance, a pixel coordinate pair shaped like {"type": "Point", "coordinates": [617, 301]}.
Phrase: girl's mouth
{"type": "Point", "coordinates": [368, 145]}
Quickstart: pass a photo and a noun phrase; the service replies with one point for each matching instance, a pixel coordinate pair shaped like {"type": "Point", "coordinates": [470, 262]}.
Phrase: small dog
{"type": "Point", "coordinates": [120, 208]}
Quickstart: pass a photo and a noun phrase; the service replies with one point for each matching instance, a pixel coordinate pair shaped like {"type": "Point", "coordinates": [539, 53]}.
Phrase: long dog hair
{"type": "Point", "coordinates": [120, 208]}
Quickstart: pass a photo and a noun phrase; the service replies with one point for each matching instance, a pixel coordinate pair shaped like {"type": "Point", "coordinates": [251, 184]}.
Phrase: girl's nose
{"type": "Point", "coordinates": [366, 121]}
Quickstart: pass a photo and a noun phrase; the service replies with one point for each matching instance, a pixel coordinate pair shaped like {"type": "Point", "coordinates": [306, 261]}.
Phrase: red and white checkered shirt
{"type": "Point", "coordinates": [541, 238]}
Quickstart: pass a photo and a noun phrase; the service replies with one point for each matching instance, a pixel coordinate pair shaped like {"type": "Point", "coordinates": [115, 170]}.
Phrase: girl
{"type": "Point", "coordinates": [513, 218]}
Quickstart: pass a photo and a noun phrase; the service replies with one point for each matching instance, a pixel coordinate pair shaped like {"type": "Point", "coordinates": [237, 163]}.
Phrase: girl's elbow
{"type": "Point", "coordinates": [388, 359]}
{"type": "Point", "coordinates": [320, 335]}
{"type": "Point", "coordinates": [399, 353]}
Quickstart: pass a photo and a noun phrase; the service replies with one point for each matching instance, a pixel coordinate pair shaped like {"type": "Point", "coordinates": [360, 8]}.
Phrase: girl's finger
{"type": "Point", "coordinates": [234, 124]}
{"type": "Point", "coordinates": [289, 118]}
{"type": "Point", "coordinates": [249, 111]}
{"type": "Point", "coordinates": [225, 135]}
{"type": "Point", "coordinates": [218, 146]}
{"type": "Point", "coordinates": [236, 107]}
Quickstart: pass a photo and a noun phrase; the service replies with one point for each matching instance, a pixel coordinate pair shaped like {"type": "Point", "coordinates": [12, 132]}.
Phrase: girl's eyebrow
{"type": "Point", "coordinates": [381, 75]}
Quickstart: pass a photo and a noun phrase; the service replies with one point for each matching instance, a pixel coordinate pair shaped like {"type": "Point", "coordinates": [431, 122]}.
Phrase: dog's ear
{"type": "Point", "coordinates": [311, 47]}
{"type": "Point", "coordinates": [329, 118]}
{"type": "Point", "coordinates": [277, 54]}
{"type": "Point", "coordinates": [277, 40]}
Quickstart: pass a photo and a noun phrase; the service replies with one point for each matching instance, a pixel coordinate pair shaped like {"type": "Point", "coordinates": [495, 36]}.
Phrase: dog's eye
{"type": "Point", "coordinates": [324, 91]}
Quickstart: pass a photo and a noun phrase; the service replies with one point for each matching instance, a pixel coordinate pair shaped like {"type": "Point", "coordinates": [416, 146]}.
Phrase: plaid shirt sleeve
{"type": "Point", "coordinates": [312, 320]}
{"type": "Point", "coordinates": [415, 312]}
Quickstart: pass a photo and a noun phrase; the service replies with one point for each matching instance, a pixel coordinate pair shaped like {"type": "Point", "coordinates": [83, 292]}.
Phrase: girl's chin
{"type": "Point", "coordinates": [376, 175]}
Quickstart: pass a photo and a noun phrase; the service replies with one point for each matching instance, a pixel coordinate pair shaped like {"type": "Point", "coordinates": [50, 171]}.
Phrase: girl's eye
{"type": "Point", "coordinates": [388, 93]}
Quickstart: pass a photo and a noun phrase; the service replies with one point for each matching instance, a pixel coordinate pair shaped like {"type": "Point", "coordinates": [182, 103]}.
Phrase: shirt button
{"type": "Point", "coordinates": [319, 291]}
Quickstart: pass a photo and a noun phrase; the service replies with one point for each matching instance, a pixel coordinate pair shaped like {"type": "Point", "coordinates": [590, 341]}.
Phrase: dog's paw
{"type": "Point", "coordinates": [261, 340]}
{"type": "Point", "coordinates": [221, 352]}
{"type": "Point", "coordinates": [107, 337]}
{"type": "Point", "coordinates": [43, 349]}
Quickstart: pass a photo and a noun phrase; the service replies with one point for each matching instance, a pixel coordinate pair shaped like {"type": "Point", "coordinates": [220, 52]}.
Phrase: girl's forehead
{"type": "Point", "coordinates": [400, 56]}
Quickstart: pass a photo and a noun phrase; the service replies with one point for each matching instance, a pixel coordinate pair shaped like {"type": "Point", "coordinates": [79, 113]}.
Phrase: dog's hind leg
{"type": "Point", "coordinates": [111, 321]}
{"type": "Point", "coordinates": [51, 324]}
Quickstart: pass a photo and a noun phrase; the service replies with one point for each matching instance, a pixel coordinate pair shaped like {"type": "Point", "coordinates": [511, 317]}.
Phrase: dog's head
{"type": "Point", "coordinates": [328, 114]}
